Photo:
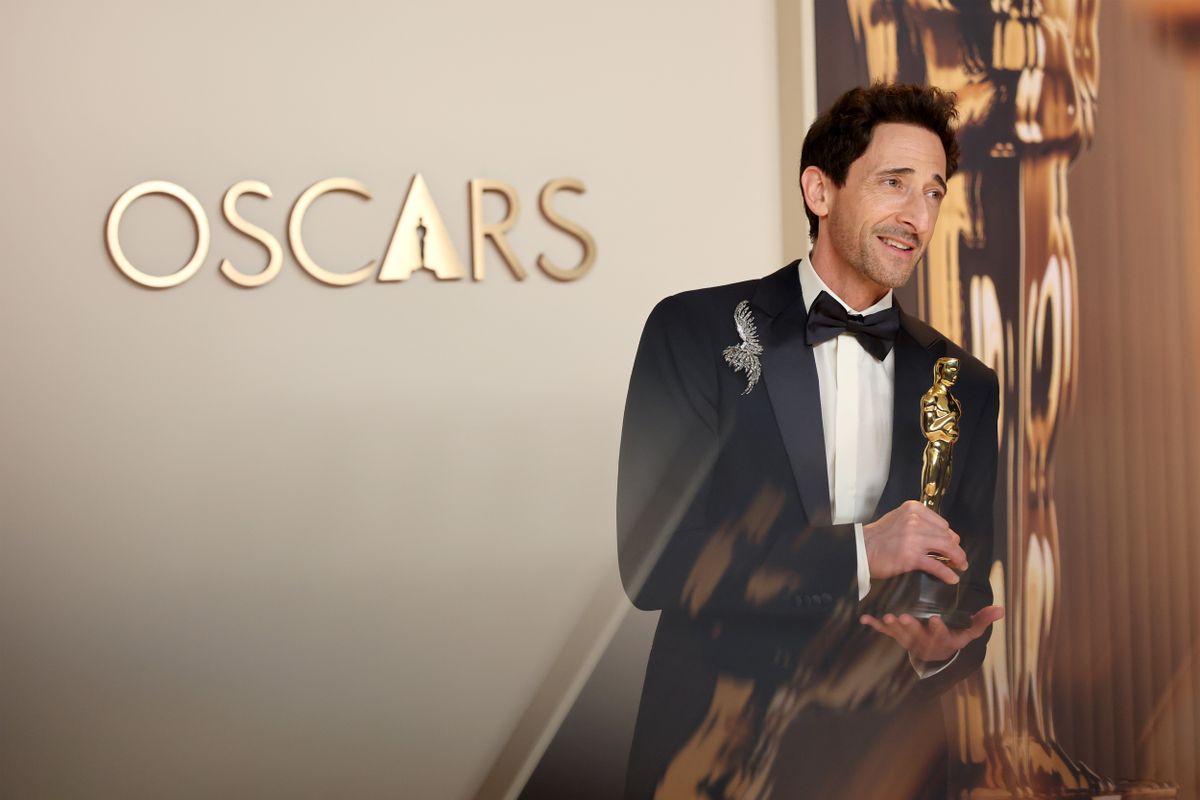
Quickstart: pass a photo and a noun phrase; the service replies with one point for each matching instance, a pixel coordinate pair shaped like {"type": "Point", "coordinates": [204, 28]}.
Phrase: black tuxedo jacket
{"type": "Point", "coordinates": [724, 524]}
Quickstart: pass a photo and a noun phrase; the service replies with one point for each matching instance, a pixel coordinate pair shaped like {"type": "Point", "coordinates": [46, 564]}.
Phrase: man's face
{"type": "Point", "coordinates": [880, 221]}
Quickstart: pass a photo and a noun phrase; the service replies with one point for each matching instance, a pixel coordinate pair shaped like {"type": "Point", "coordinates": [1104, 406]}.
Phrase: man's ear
{"type": "Point", "coordinates": [816, 187]}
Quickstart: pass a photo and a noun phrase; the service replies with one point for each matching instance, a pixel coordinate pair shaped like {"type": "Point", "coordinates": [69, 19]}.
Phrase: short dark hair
{"type": "Point", "coordinates": [841, 135]}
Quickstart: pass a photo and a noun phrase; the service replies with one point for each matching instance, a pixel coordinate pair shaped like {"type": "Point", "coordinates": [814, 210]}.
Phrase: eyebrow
{"type": "Point", "coordinates": [910, 171]}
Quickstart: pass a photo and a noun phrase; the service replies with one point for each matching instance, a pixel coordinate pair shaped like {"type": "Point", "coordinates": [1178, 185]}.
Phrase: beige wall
{"type": "Point", "coordinates": [302, 541]}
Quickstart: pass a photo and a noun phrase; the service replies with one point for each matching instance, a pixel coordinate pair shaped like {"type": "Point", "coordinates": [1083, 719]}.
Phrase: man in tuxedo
{"type": "Point", "coordinates": [770, 463]}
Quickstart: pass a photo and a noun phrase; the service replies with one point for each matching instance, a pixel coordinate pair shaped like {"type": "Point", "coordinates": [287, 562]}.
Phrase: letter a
{"type": "Point", "coordinates": [420, 240]}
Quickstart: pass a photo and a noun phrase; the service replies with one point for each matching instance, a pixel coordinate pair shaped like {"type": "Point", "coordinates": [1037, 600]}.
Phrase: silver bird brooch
{"type": "Point", "coordinates": [744, 357]}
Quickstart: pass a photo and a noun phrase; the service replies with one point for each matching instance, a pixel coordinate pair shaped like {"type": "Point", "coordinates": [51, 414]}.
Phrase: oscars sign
{"type": "Point", "coordinates": [419, 239]}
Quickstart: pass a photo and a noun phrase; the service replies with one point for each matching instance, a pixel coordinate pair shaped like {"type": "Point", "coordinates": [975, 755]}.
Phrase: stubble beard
{"type": "Point", "coordinates": [873, 266]}
{"type": "Point", "coordinates": [863, 256]}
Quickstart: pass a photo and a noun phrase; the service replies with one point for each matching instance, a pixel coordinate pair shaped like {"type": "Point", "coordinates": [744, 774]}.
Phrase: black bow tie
{"type": "Point", "coordinates": [875, 332]}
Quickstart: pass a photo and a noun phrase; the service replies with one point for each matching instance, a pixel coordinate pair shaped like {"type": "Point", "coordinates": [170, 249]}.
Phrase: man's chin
{"type": "Point", "coordinates": [890, 279]}
{"type": "Point", "coordinates": [900, 281]}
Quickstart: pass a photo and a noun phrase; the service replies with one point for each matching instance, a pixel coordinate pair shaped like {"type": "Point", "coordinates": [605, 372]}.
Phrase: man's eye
{"type": "Point", "coordinates": [892, 181]}
{"type": "Point", "coordinates": [936, 195]}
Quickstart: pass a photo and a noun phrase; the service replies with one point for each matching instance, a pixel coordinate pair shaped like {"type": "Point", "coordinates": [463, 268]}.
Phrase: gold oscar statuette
{"type": "Point", "coordinates": [940, 415]}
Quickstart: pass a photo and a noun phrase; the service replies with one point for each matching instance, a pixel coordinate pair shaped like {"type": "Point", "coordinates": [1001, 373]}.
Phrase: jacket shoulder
{"type": "Point", "coordinates": [714, 296]}
{"type": "Point", "coordinates": [970, 369]}
{"type": "Point", "coordinates": [708, 306]}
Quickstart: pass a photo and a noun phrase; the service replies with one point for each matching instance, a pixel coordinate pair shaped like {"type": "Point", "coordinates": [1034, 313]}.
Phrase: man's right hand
{"type": "Point", "coordinates": [901, 541]}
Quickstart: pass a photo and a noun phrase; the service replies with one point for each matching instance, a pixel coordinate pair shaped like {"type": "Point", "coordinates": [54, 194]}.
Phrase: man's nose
{"type": "Point", "coordinates": [916, 214]}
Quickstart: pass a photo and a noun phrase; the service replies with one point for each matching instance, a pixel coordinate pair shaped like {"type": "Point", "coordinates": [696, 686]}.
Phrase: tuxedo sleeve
{"type": "Point", "coordinates": [672, 553]}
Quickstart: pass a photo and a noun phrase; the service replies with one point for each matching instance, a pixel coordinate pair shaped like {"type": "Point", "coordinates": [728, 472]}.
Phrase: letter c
{"type": "Point", "coordinates": [296, 225]}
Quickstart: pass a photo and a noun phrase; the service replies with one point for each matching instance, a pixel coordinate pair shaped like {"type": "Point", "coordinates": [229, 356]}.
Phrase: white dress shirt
{"type": "Point", "coordinates": [857, 392]}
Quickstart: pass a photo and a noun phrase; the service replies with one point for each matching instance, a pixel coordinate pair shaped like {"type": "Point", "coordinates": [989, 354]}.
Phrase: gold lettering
{"type": "Point", "coordinates": [567, 226]}
{"type": "Point", "coordinates": [296, 220]}
{"type": "Point", "coordinates": [420, 239]}
{"type": "Point", "coordinates": [481, 231]}
{"type": "Point", "coordinates": [113, 239]}
{"type": "Point", "coordinates": [274, 251]}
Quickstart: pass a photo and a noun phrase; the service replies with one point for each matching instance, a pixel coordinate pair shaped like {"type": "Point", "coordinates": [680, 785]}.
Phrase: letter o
{"type": "Point", "coordinates": [112, 234]}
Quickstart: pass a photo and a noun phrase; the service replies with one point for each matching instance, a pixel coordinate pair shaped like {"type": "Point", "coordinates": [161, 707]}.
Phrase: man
{"type": "Point", "coordinates": [770, 463]}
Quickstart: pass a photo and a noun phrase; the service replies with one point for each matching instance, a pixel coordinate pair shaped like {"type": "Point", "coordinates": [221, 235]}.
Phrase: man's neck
{"type": "Point", "coordinates": [856, 289]}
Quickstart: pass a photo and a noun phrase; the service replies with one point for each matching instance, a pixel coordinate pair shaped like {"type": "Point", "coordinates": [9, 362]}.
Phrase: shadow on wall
{"type": "Point", "coordinates": [587, 757]}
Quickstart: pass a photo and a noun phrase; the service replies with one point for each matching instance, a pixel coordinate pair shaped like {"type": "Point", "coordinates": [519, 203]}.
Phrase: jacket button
{"type": "Point", "coordinates": [826, 597]}
{"type": "Point", "coordinates": [800, 599]}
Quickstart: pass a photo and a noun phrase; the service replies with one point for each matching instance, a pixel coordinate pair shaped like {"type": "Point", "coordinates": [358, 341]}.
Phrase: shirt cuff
{"type": "Point", "coordinates": [926, 669]}
{"type": "Point", "coordinates": [864, 569]}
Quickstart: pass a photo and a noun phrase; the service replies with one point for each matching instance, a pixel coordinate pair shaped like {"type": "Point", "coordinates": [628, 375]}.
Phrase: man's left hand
{"type": "Point", "coordinates": [933, 641]}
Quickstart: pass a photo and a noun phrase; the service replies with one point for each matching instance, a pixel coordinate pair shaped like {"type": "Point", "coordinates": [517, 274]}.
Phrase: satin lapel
{"type": "Point", "coordinates": [790, 373]}
{"type": "Point", "coordinates": [914, 374]}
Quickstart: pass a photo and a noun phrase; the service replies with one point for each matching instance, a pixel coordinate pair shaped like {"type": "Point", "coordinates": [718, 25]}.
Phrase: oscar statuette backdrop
{"type": "Point", "coordinates": [1095, 574]}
